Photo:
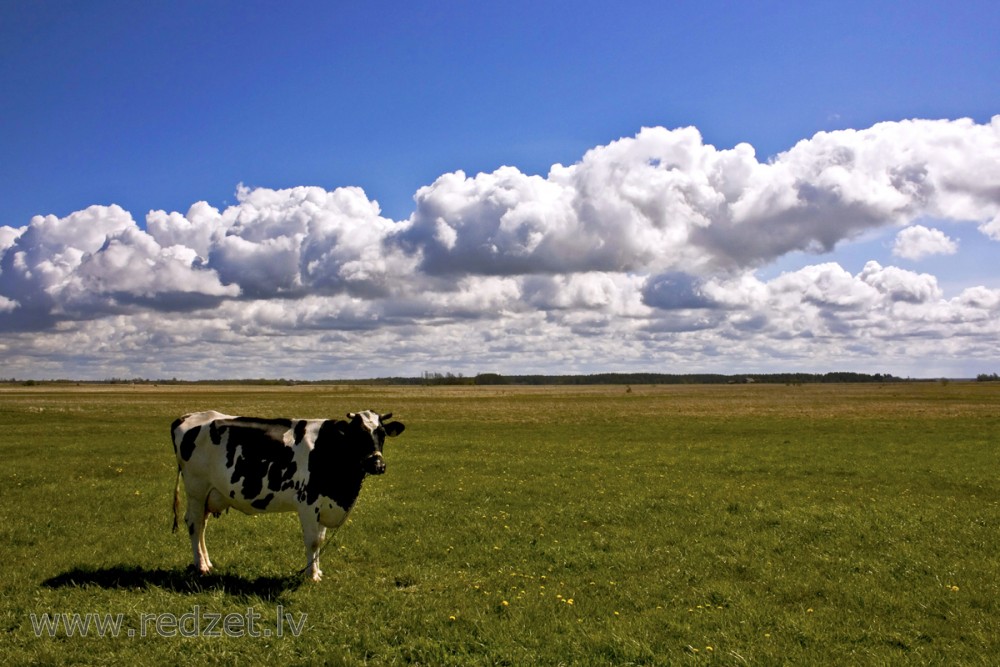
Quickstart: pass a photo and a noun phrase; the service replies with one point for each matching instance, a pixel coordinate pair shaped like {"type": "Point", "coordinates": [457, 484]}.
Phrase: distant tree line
{"type": "Point", "coordinates": [437, 379]}
{"type": "Point", "coordinates": [667, 378]}
{"type": "Point", "coordinates": [447, 378]}
{"type": "Point", "coordinates": [983, 377]}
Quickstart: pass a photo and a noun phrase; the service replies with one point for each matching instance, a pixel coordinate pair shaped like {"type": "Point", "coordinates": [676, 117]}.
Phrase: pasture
{"type": "Point", "coordinates": [756, 524]}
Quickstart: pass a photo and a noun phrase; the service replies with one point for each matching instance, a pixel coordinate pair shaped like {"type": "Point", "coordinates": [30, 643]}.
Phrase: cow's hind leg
{"type": "Point", "coordinates": [313, 534]}
{"type": "Point", "coordinates": [196, 517]}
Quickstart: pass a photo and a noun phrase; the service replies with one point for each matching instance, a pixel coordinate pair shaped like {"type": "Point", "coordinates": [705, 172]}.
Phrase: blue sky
{"type": "Point", "coordinates": [158, 106]}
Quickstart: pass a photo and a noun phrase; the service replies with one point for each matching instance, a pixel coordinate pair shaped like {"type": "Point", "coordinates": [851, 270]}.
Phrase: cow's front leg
{"type": "Point", "coordinates": [196, 517]}
{"type": "Point", "coordinates": [313, 534]}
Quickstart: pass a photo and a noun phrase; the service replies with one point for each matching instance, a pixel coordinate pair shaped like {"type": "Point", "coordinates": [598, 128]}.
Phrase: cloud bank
{"type": "Point", "coordinates": [641, 256]}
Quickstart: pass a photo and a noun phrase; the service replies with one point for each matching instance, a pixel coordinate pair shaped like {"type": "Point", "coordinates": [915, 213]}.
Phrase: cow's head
{"type": "Point", "coordinates": [367, 431]}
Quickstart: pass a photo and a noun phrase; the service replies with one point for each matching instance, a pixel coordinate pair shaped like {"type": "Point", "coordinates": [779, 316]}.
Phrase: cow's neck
{"type": "Point", "coordinates": [333, 474]}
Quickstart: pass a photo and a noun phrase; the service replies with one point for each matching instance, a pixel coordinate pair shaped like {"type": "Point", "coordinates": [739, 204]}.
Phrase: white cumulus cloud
{"type": "Point", "coordinates": [666, 201]}
{"type": "Point", "coordinates": [918, 242]}
{"type": "Point", "coordinates": [95, 262]}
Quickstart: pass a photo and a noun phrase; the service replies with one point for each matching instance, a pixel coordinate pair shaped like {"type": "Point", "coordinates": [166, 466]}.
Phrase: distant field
{"type": "Point", "coordinates": [751, 524]}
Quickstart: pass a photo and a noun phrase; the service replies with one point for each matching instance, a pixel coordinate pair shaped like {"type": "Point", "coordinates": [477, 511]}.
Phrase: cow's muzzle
{"type": "Point", "coordinates": [374, 464]}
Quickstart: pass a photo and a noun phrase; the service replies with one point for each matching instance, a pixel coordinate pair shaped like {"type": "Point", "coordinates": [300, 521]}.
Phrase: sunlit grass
{"type": "Point", "coordinates": [582, 525]}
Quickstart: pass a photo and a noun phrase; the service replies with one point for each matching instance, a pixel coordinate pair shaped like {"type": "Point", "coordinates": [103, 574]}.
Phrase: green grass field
{"type": "Point", "coordinates": [816, 524]}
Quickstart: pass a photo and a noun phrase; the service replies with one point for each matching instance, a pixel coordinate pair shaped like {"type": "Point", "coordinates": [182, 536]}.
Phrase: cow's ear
{"type": "Point", "coordinates": [392, 429]}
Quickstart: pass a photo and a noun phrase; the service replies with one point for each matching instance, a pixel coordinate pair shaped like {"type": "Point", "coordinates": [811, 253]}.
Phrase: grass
{"type": "Point", "coordinates": [754, 524]}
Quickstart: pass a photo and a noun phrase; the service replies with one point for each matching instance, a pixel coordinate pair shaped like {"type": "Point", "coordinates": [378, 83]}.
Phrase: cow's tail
{"type": "Point", "coordinates": [177, 498]}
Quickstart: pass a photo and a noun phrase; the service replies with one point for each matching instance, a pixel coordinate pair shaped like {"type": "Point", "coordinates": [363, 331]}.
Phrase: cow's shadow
{"type": "Point", "coordinates": [179, 580]}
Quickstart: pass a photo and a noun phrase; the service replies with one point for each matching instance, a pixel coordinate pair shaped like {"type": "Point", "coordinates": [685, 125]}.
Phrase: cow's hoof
{"type": "Point", "coordinates": [317, 575]}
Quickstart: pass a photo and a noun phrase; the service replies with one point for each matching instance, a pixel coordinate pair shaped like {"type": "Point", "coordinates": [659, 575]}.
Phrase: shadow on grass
{"type": "Point", "coordinates": [179, 580]}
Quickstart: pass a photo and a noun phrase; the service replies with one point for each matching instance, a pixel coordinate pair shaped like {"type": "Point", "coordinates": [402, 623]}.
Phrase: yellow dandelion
{"type": "Point", "coordinates": [569, 601]}
{"type": "Point", "coordinates": [505, 603]}
{"type": "Point", "coordinates": [451, 618]}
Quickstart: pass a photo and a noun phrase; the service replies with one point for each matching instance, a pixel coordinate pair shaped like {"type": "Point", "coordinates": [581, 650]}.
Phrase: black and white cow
{"type": "Point", "coordinates": [314, 467]}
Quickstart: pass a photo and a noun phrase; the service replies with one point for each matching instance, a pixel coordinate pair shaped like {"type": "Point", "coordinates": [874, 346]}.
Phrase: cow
{"type": "Point", "coordinates": [314, 467]}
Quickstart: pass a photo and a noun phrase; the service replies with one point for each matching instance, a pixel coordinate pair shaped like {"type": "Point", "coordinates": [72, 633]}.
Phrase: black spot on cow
{"type": "Point", "coordinates": [288, 482]}
{"type": "Point", "coordinates": [230, 448]}
{"type": "Point", "coordinates": [263, 456]}
{"type": "Point", "coordinates": [173, 432]}
{"type": "Point", "coordinates": [279, 477]}
{"type": "Point", "coordinates": [300, 431]}
{"type": "Point", "coordinates": [187, 443]}
{"type": "Point", "coordinates": [335, 470]}
{"type": "Point", "coordinates": [215, 433]}
{"type": "Point", "coordinates": [262, 503]}
{"type": "Point", "coordinates": [281, 423]}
